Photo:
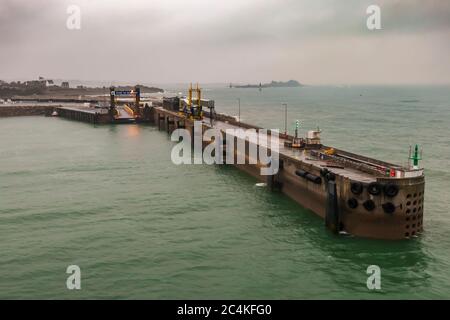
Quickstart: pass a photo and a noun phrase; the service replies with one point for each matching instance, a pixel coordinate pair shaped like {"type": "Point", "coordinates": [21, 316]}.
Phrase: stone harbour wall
{"type": "Point", "coordinates": [18, 111]}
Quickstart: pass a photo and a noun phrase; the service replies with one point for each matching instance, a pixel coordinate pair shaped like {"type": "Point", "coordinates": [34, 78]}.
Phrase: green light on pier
{"type": "Point", "coordinates": [415, 157]}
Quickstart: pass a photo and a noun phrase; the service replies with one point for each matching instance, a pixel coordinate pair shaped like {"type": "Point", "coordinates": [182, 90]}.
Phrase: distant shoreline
{"type": "Point", "coordinates": [40, 88]}
{"type": "Point", "coordinates": [273, 84]}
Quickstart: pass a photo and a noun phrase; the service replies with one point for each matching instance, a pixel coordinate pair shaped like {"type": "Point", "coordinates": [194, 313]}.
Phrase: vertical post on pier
{"type": "Point", "coordinates": [332, 209]}
{"type": "Point", "coordinates": [239, 111]}
{"type": "Point", "coordinates": [112, 97]}
{"type": "Point", "coordinates": [137, 99]}
{"type": "Point", "coordinates": [285, 118]}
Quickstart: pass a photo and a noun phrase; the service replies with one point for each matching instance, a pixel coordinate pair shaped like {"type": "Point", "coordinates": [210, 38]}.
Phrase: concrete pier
{"type": "Point", "coordinates": [305, 175]}
{"type": "Point", "coordinates": [26, 110]}
{"type": "Point", "coordinates": [97, 115]}
{"type": "Point", "coordinates": [89, 116]}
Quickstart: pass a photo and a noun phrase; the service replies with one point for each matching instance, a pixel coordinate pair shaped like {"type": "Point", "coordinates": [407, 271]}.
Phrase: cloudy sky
{"type": "Point", "coordinates": [173, 41]}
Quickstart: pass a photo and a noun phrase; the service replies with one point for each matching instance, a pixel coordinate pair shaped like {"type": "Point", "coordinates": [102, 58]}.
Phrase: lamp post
{"type": "Point", "coordinates": [239, 108]}
{"type": "Point", "coordinates": [285, 118]}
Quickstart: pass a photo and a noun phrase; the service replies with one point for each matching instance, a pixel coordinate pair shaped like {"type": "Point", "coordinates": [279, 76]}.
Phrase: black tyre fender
{"type": "Point", "coordinates": [391, 190]}
{"type": "Point", "coordinates": [356, 187]}
{"type": "Point", "coordinates": [301, 173]}
{"type": "Point", "coordinates": [388, 207]}
{"type": "Point", "coordinates": [369, 205]}
{"type": "Point", "coordinates": [352, 203]}
{"type": "Point", "coordinates": [374, 188]}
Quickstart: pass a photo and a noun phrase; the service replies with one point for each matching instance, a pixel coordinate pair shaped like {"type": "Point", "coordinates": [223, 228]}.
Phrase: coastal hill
{"type": "Point", "coordinates": [273, 84]}
{"type": "Point", "coordinates": [83, 90]}
{"type": "Point", "coordinates": [43, 87]}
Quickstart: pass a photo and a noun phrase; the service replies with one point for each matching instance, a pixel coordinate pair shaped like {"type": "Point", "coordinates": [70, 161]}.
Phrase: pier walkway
{"type": "Point", "coordinates": [301, 155]}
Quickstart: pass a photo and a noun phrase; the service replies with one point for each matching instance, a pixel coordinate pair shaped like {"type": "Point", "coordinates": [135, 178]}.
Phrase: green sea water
{"type": "Point", "coordinates": [108, 199]}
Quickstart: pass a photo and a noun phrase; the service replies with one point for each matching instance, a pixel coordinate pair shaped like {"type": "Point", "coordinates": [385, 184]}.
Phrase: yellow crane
{"type": "Point", "coordinates": [193, 108]}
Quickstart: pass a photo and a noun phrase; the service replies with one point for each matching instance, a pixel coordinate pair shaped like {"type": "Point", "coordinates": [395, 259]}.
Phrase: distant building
{"type": "Point", "coordinates": [47, 83]}
{"type": "Point", "coordinates": [80, 87]}
{"type": "Point", "coordinates": [36, 84]}
{"type": "Point", "coordinates": [41, 82]}
{"type": "Point", "coordinates": [65, 85]}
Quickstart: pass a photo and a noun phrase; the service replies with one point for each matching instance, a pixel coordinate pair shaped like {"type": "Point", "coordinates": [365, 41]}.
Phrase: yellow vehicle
{"type": "Point", "coordinates": [330, 152]}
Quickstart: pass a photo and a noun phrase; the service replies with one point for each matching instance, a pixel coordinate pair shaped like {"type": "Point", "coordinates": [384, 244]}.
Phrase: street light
{"type": "Point", "coordinates": [285, 118]}
{"type": "Point", "coordinates": [239, 104]}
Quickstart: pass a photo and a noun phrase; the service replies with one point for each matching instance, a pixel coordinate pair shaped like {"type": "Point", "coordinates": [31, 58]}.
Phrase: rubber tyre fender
{"type": "Point", "coordinates": [313, 178]}
{"type": "Point", "coordinates": [356, 188]}
{"type": "Point", "coordinates": [369, 205]}
{"type": "Point", "coordinates": [388, 207]}
{"type": "Point", "coordinates": [352, 203]}
{"type": "Point", "coordinates": [391, 190]}
{"type": "Point", "coordinates": [374, 188]}
{"type": "Point", "coordinates": [301, 173]}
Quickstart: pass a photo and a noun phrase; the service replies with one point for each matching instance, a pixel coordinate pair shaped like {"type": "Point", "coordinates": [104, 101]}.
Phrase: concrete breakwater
{"type": "Point", "coordinates": [85, 115]}
{"type": "Point", "coordinates": [29, 110]}
{"type": "Point", "coordinates": [44, 99]}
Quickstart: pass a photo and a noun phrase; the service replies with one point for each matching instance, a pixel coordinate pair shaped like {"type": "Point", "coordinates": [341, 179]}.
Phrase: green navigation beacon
{"type": "Point", "coordinates": [415, 157]}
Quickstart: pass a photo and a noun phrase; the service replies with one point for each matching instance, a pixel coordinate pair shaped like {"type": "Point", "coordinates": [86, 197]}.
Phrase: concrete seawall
{"type": "Point", "coordinates": [90, 116]}
{"type": "Point", "coordinates": [17, 111]}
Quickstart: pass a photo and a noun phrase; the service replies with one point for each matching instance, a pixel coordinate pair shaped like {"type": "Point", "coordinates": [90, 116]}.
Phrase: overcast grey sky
{"type": "Point", "coordinates": [168, 41]}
